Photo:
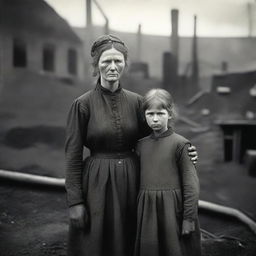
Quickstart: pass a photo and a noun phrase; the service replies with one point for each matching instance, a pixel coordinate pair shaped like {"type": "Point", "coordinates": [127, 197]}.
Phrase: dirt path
{"type": "Point", "coordinates": [34, 221]}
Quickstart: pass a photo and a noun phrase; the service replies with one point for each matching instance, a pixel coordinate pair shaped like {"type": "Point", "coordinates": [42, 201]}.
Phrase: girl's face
{"type": "Point", "coordinates": [111, 65]}
{"type": "Point", "coordinates": [157, 119]}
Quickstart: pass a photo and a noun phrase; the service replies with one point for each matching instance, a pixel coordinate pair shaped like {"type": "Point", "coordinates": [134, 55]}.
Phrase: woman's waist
{"type": "Point", "coordinates": [113, 155]}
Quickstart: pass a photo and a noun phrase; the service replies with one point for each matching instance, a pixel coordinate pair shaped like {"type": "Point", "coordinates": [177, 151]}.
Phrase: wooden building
{"type": "Point", "coordinates": [34, 37]}
{"type": "Point", "coordinates": [232, 106]}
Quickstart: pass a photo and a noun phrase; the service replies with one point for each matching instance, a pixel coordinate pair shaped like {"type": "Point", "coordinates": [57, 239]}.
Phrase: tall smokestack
{"type": "Point", "coordinates": [107, 27]}
{"type": "Point", "coordinates": [249, 9]}
{"type": "Point", "coordinates": [175, 40]}
{"type": "Point", "coordinates": [88, 36]}
{"type": "Point", "coordinates": [88, 13]}
{"type": "Point", "coordinates": [195, 70]}
{"type": "Point", "coordinates": [139, 43]}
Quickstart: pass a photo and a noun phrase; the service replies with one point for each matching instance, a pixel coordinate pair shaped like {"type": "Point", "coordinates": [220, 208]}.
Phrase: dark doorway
{"type": "Point", "coordinates": [19, 53]}
{"type": "Point", "coordinates": [48, 57]}
{"type": "Point", "coordinates": [72, 62]}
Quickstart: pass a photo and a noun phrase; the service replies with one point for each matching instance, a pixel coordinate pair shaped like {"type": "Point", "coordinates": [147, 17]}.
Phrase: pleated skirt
{"type": "Point", "coordinates": [110, 187]}
{"type": "Point", "coordinates": [159, 217]}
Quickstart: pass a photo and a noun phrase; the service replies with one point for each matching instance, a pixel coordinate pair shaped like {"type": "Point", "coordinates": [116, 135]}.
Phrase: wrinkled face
{"type": "Point", "coordinates": [111, 65]}
{"type": "Point", "coordinates": [157, 119]}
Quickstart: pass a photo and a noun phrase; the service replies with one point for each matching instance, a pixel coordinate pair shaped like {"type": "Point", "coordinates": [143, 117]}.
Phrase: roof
{"type": "Point", "coordinates": [236, 81]}
{"type": "Point", "coordinates": [237, 103]}
{"type": "Point", "coordinates": [36, 16]}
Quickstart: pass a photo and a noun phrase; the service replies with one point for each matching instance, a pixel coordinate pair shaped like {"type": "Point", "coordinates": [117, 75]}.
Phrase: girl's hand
{"type": "Point", "coordinates": [187, 227]}
{"type": "Point", "coordinates": [78, 216]}
{"type": "Point", "coordinates": [193, 154]}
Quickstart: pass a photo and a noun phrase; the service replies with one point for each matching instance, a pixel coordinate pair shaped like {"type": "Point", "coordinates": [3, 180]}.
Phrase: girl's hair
{"type": "Point", "coordinates": [104, 43]}
{"type": "Point", "coordinates": [159, 98]}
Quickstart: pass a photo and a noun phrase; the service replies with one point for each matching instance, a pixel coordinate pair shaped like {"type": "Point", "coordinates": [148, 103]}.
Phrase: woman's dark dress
{"type": "Point", "coordinates": [109, 124]}
{"type": "Point", "coordinates": [168, 195]}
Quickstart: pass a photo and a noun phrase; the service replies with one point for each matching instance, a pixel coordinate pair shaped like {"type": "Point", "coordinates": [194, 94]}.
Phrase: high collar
{"type": "Point", "coordinates": [107, 91]}
{"type": "Point", "coordinates": [164, 134]}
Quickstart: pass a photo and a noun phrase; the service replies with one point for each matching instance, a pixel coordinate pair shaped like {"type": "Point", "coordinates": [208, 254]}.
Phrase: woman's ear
{"type": "Point", "coordinates": [126, 67]}
{"type": "Point", "coordinates": [96, 71]}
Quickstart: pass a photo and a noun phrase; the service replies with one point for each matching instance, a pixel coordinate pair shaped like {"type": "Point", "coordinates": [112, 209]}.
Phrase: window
{"type": "Point", "coordinates": [72, 62]}
{"type": "Point", "coordinates": [19, 53]}
{"type": "Point", "coordinates": [253, 91]}
{"type": "Point", "coordinates": [48, 57]}
{"type": "Point", "coordinates": [223, 90]}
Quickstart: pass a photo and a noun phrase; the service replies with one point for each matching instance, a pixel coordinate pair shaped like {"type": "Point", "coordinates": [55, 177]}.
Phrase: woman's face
{"type": "Point", "coordinates": [111, 65]}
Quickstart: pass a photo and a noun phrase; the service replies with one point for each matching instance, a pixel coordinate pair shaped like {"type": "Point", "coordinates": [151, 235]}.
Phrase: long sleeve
{"type": "Point", "coordinates": [75, 133]}
{"type": "Point", "coordinates": [190, 184]}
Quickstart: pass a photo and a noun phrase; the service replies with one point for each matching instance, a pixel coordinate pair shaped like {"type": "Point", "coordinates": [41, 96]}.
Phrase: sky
{"type": "Point", "coordinates": [224, 18]}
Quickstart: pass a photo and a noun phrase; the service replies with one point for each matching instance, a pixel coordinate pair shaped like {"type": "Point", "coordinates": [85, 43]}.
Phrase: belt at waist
{"type": "Point", "coordinates": [113, 155]}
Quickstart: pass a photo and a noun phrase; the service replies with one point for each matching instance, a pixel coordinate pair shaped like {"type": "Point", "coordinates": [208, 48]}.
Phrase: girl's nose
{"type": "Point", "coordinates": [155, 118]}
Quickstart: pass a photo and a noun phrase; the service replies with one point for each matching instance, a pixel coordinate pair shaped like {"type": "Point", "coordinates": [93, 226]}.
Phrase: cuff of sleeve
{"type": "Point", "coordinates": [75, 203]}
{"type": "Point", "coordinates": [74, 196]}
{"type": "Point", "coordinates": [70, 205]}
{"type": "Point", "coordinates": [188, 225]}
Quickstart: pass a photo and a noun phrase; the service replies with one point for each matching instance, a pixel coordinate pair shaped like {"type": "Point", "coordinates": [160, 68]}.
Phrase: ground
{"type": "Point", "coordinates": [34, 220]}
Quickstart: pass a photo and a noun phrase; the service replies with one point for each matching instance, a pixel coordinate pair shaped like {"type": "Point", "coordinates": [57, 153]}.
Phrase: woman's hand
{"type": "Point", "coordinates": [193, 154]}
{"type": "Point", "coordinates": [78, 216]}
{"type": "Point", "coordinates": [187, 227]}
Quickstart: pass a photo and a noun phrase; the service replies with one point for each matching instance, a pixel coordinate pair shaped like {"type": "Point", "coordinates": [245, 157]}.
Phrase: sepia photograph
{"type": "Point", "coordinates": [127, 128]}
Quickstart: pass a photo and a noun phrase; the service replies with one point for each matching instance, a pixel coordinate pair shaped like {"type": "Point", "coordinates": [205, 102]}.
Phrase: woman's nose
{"type": "Point", "coordinates": [112, 65]}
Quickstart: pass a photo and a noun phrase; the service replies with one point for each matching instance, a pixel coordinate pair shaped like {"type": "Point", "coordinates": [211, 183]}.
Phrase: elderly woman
{"type": "Point", "coordinates": [102, 190]}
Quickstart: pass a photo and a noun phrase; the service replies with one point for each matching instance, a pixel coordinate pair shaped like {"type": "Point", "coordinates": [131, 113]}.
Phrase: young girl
{"type": "Point", "coordinates": [168, 198]}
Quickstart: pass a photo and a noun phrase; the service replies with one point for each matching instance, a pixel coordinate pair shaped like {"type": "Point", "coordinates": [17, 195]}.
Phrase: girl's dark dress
{"type": "Point", "coordinates": [168, 195]}
{"type": "Point", "coordinates": [109, 124]}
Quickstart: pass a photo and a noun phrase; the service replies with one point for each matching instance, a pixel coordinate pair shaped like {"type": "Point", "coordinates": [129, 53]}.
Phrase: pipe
{"type": "Point", "coordinates": [196, 97]}
{"type": "Point", "coordinates": [188, 121]}
{"type": "Point", "coordinates": [32, 178]}
{"type": "Point", "coordinates": [104, 16]}
{"type": "Point", "coordinates": [229, 211]}
{"type": "Point", "coordinates": [60, 182]}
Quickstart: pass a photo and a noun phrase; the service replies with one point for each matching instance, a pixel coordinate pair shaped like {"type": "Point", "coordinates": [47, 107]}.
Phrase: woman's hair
{"type": "Point", "coordinates": [159, 98]}
{"type": "Point", "coordinates": [104, 43]}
